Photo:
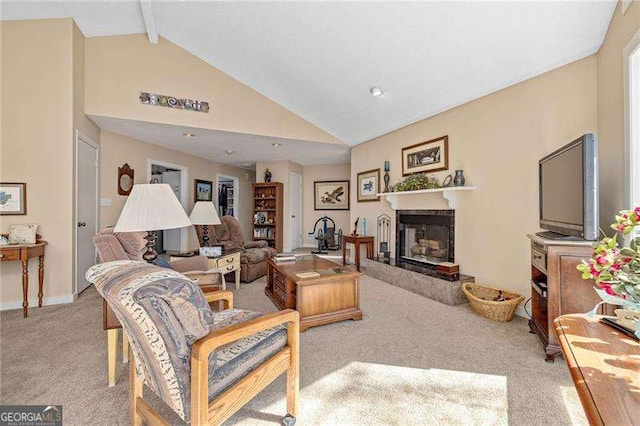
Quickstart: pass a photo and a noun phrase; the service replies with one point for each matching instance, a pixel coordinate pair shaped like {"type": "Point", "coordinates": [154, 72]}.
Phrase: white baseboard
{"type": "Point", "coordinates": [521, 312]}
{"type": "Point", "coordinates": [47, 301]}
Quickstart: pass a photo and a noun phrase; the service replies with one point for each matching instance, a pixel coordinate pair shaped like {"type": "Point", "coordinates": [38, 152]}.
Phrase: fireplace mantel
{"type": "Point", "coordinates": [450, 194]}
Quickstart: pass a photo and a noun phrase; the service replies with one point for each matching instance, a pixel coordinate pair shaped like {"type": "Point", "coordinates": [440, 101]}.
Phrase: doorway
{"type": "Point", "coordinates": [295, 210]}
{"type": "Point", "coordinates": [86, 212]}
{"type": "Point", "coordinates": [631, 54]}
{"type": "Point", "coordinates": [228, 195]}
{"type": "Point", "coordinates": [171, 240]}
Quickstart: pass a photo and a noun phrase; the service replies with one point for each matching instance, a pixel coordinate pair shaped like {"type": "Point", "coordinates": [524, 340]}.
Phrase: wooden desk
{"type": "Point", "coordinates": [331, 297]}
{"type": "Point", "coordinates": [23, 253]}
{"type": "Point", "coordinates": [605, 368]}
{"type": "Point", "coordinates": [356, 241]}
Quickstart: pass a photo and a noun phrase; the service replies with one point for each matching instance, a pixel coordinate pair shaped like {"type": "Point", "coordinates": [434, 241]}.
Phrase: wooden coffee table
{"type": "Point", "coordinates": [332, 296]}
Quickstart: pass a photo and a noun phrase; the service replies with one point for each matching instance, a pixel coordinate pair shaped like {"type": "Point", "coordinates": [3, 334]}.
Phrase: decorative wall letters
{"type": "Point", "coordinates": [172, 102]}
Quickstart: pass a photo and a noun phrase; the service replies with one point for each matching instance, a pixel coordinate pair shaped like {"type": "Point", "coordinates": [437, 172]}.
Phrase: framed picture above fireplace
{"type": "Point", "coordinates": [425, 157]}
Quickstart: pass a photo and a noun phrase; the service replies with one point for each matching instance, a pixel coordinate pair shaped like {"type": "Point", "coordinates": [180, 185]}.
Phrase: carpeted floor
{"type": "Point", "coordinates": [409, 361]}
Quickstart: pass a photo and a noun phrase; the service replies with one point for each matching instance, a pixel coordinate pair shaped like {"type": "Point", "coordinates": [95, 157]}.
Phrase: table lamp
{"type": "Point", "coordinates": [204, 213]}
{"type": "Point", "coordinates": [151, 207]}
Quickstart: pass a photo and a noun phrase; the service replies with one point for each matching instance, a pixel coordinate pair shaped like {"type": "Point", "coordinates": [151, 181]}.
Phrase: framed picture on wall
{"type": "Point", "coordinates": [13, 198]}
{"type": "Point", "coordinates": [203, 190]}
{"type": "Point", "coordinates": [331, 195]}
{"type": "Point", "coordinates": [369, 185]}
{"type": "Point", "coordinates": [425, 157]}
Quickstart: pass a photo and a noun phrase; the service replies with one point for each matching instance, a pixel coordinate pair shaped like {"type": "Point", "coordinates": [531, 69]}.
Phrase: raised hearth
{"type": "Point", "coordinates": [424, 284]}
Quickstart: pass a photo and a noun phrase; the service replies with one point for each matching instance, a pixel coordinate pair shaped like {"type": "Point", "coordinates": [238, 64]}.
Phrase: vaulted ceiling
{"type": "Point", "coordinates": [320, 59]}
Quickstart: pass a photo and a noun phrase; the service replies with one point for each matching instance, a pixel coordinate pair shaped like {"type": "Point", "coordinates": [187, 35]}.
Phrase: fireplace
{"type": "Point", "coordinates": [424, 238]}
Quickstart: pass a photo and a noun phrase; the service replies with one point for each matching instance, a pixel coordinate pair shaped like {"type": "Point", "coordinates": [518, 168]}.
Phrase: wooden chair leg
{"type": "Point", "coordinates": [293, 372]}
{"type": "Point", "coordinates": [135, 392]}
{"type": "Point", "coordinates": [112, 348]}
{"type": "Point", "coordinates": [125, 347]}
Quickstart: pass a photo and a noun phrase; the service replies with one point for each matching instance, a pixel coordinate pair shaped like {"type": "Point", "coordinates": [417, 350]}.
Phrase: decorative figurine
{"type": "Point", "coordinates": [267, 175]}
{"type": "Point", "coordinates": [355, 228]}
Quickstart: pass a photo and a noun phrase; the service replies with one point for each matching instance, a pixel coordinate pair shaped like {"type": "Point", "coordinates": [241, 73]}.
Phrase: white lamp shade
{"type": "Point", "coordinates": [151, 207]}
{"type": "Point", "coordinates": [204, 213]}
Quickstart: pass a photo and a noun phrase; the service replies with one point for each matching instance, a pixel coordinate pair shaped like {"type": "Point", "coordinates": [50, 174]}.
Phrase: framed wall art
{"type": "Point", "coordinates": [331, 195]}
{"type": "Point", "coordinates": [369, 185]}
{"type": "Point", "coordinates": [203, 190]}
{"type": "Point", "coordinates": [13, 198]}
{"type": "Point", "coordinates": [426, 157]}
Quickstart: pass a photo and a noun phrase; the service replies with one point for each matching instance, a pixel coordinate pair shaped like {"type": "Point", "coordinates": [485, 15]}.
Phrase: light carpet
{"type": "Point", "coordinates": [410, 361]}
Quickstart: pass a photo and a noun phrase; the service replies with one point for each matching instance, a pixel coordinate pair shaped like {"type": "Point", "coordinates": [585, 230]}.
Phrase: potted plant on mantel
{"type": "Point", "coordinates": [616, 270]}
{"type": "Point", "coordinates": [417, 182]}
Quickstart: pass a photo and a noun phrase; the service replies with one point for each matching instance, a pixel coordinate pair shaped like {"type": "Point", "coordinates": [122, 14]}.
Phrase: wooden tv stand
{"type": "Point", "coordinates": [554, 262]}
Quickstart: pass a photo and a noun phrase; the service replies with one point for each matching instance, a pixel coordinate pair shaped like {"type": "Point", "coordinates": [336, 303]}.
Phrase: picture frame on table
{"type": "Point", "coordinates": [13, 198]}
{"type": "Point", "coordinates": [331, 195]}
{"type": "Point", "coordinates": [426, 157]}
{"type": "Point", "coordinates": [203, 190]}
{"type": "Point", "coordinates": [368, 185]}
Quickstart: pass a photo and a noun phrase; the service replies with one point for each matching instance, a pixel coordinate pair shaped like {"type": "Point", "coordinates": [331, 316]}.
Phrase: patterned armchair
{"type": "Point", "coordinates": [131, 246]}
{"type": "Point", "coordinates": [204, 365]}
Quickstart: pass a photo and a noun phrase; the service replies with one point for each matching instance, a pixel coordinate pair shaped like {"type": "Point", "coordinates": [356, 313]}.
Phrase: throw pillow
{"type": "Point", "coordinates": [23, 233]}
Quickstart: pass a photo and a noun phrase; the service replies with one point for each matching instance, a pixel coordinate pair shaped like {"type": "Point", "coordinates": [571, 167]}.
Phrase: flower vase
{"type": "Point", "coordinates": [459, 179]}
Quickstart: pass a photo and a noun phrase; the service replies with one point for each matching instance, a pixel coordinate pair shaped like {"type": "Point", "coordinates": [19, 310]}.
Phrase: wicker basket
{"type": "Point", "coordinates": [497, 311]}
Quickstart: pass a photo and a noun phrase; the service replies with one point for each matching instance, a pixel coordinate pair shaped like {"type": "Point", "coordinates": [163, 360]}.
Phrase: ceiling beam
{"type": "Point", "coordinates": [149, 22]}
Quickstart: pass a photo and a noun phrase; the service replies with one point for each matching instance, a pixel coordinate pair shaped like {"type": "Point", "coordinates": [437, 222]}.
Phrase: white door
{"type": "Point", "coordinates": [173, 237]}
{"type": "Point", "coordinates": [86, 208]}
{"type": "Point", "coordinates": [295, 207]}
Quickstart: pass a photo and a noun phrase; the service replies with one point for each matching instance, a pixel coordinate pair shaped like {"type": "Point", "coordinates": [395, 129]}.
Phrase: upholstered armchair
{"type": "Point", "coordinates": [131, 246]}
{"type": "Point", "coordinates": [253, 260]}
{"type": "Point", "coordinates": [203, 365]}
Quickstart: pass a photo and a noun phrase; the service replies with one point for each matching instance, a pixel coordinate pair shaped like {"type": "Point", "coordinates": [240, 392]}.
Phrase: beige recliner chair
{"type": "Point", "coordinates": [253, 260]}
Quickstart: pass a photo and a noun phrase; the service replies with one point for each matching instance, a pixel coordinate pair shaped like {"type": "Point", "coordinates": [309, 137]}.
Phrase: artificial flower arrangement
{"type": "Point", "coordinates": [615, 269]}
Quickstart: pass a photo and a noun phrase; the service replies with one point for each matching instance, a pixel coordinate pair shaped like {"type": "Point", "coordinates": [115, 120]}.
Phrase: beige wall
{"type": "Point", "coordinates": [497, 140]}
{"type": "Point", "coordinates": [115, 150]}
{"type": "Point", "coordinates": [611, 111]}
{"type": "Point", "coordinates": [37, 147]}
{"type": "Point", "coordinates": [120, 67]}
{"type": "Point", "coordinates": [310, 216]}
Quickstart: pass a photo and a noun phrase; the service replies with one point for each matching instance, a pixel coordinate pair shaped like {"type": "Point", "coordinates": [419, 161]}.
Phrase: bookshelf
{"type": "Point", "coordinates": [268, 210]}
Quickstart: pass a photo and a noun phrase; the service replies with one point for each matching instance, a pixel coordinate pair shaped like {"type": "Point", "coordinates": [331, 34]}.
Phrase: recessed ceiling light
{"type": "Point", "coordinates": [276, 144]}
{"type": "Point", "coordinates": [228, 152]}
{"type": "Point", "coordinates": [188, 135]}
{"type": "Point", "coordinates": [375, 91]}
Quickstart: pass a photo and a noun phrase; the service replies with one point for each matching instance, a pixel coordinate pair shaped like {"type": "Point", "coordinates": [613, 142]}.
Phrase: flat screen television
{"type": "Point", "coordinates": [569, 190]}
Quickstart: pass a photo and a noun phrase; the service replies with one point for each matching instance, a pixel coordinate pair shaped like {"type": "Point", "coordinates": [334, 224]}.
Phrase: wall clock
{"type": "Point", "coordinates": [125, 179]}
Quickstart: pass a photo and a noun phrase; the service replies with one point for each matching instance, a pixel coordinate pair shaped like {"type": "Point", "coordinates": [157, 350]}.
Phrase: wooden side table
{"type": "Point", "coordinates": [356, 241]}
{"type": "Point", "coordinates": [228, 262]}
{"type": "Point", "coordinates": [605, 368]}
{"type": "Point", "coordinates": [23, 253]}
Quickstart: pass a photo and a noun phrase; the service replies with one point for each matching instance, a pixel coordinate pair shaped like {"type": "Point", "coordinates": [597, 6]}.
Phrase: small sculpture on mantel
{"type": "Point", "coordinates": [355, 228]}
{"type": "Point", "coordinates": [267, 176]}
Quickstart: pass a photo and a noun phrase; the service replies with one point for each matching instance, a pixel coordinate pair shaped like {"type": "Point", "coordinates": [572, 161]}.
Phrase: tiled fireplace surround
{"type": "Point", "coordinates": [423, 238]}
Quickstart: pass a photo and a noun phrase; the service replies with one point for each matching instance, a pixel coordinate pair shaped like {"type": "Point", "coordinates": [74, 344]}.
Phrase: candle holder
{"type": "Point", "coordinates": [387, 166]}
